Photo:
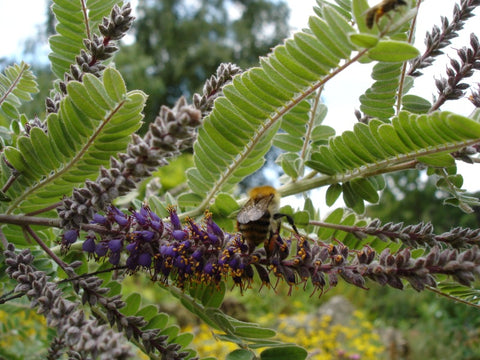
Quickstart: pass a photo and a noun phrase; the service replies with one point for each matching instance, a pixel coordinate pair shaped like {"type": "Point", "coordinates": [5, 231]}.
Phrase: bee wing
{"type": "Point", "coordinates": [253, 211]}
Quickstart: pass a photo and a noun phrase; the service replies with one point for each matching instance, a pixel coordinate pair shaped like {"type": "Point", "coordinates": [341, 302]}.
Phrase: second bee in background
{"type": "Point", "coordinates": [377, 11]}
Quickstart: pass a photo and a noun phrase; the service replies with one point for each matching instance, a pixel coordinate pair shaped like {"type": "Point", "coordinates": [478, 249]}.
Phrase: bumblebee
{"type": "Point", "coordinates": [377, 11]}
{"type": "Point", "coordinates": [259, 220]}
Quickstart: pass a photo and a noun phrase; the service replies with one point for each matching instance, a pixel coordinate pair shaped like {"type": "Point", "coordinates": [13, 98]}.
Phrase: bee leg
{"type": "Point", "coordinates": [289, 219]}
{"type": "Point", "coordinates": [270, 244]}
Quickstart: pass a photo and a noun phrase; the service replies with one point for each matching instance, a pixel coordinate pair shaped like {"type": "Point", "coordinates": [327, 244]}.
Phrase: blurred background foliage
{"type": "Point", "coordinates": [412, 197]}
{"type": "Point", "coordinates": [175, 46]}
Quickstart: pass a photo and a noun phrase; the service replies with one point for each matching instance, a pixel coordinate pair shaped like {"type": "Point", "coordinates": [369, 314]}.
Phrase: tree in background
{"type": "Point", "coordinates": [179, 43]}
{"type": "Point", "coordinates": [411, 196]}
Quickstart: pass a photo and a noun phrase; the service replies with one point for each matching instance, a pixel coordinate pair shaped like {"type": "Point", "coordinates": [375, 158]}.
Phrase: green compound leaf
{"type": "Point", "coordinates": [393, 51]}
{"type": "Point", "coordinates": [254, 332]}
{"type": "Point", "coordinates": [415, 104]}
{"type": "Point", "coordinates": [351, 159]}
{"type": "Point", "coordinates": [242, 125]}
{"type": "Point", "coordinates": [17, 84]}
{"type": "Point", "coordinates": [74, 23]}
{"type": "Point", "coordinates": [409, 136]}
{"type": "Point", "coordinates": [88, 129]}
{"type": "Point", "coordinates": [132, 302]}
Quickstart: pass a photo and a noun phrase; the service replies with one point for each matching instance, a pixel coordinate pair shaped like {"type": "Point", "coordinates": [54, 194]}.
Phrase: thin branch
{"type": "Point", "coordinates": [451, 297]}
{"type": "Point", "coordinates": [306, 143]}
{"type": "Point", "coordinates": [404, 67]}
{"type": "Point", "coordinates": [438, 38]}
{"type": "Point", "coordinates": [23, 220]}
{"type": "Point", "coordinates": [3, 240]}
{"type": "Point", "coordinates": [86, 20]}
{"type": "Point", "coordinates": [48, 208]}
{"type": "Point", "coordinates": [4, 300]}
{"type": "Point", "coordinates": [315, 182]}
{"type": "Point", "coordinates": [14, 176]}
{"type": "Point", "coordinates": [85, 275]}
{"type": "Point", "coordinates": [45, 248]}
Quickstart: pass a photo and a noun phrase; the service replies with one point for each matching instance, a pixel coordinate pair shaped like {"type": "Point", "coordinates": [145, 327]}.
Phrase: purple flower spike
{"type": "Point", "coordinates": [140, 217]}
{"type": "Point", "coordinates": [157, 225]}
{"type": "Point", "coordinates": [131, 247]}
{"type": "Point", "coordinates": [186, 244]}
{"type": "Point", "coordinates": [167, 250]}
{"type": "Point", "coordinates": [131, 262]}
{"type": "Point", "coordinates": [145, 235]}
{"type": "Point", "coordinates": [208, 268]}
{"type": "Point", "coordinates": [197, 254]}
{"type": "Point", "coordinates": [213, 228]}
{"type": "Point", "coordinates": [213, 239]}
{"type": "Point", "coordinates": [154, 216]}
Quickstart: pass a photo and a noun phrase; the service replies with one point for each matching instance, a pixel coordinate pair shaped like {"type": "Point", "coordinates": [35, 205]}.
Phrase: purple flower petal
{"type": "Point", "coordinates": [144, 260]}
{"type": "Point", "coordinates": [89, 245]}
{"type": "Point", "coordinates": [70, 236]}
{"type": "Point", "coordinates": [179, 235]}
{"type": "Point", "coordinates": [115, 245]}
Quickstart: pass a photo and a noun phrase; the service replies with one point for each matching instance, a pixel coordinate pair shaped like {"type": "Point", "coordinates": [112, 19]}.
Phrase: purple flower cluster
{"type": "Point", "coordinates": [168, 249]}
{"type": "Point", "coordinates": [191, 252]}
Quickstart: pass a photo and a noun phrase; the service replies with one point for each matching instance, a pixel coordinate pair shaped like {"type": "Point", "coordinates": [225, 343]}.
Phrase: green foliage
{"type": "Point", "coordinates": [94, 122]}
{"type": "Point", "coordinates": [17, 84]}
{"type": "Point", "coordinates": [204, 301]}
{"type": "Point", "coordinates": [75, 23]}
{"type": "Point", "coordinates": [179, 44]}
{"type": "Point", "coordinates": [277, 103]}
{"type": "Point", "coordinates": [410, 198]}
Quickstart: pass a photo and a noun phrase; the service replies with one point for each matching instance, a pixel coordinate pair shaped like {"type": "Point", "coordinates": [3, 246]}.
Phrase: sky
{"type": "Point", "coordinates": [344, 89]}
{"type": "Point", "coordinates": [32, 13]}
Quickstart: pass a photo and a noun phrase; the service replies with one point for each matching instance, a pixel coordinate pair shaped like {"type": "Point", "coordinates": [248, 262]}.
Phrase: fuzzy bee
{"type": "Point", "coordinates": [259, 220]}
{"type": "Point", "coordinates": [377, 11]}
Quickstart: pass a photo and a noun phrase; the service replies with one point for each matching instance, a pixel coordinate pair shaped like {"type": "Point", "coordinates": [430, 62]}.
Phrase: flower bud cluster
{"type": "Point", "coordinates": [35, 123]}
{"type": "Point", "coordinates": [87, 336]}
{"type": "Point", "coordinates": [168, 249]}
{"type": "Point", "coordinates": [116, 26]}
{"type": "Point", "coordinates": [438, 39]}
{"type": "Point", "coordinates": [84, 337]}
{"type": "Point", "coordinates": [452, 87]}
{"type": "Point", "coordinates": [420, 234]}
{"type": "Point", "coordinates": [213, 87]}
{"type": "Point", "coordinates": [193, 253]}
{"type": "Point", "coordinates": [392, 268]}
{"type": "Point", "coordinates": [172, 131]}
{"type": "Point", "coordinates": [97, 50]}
